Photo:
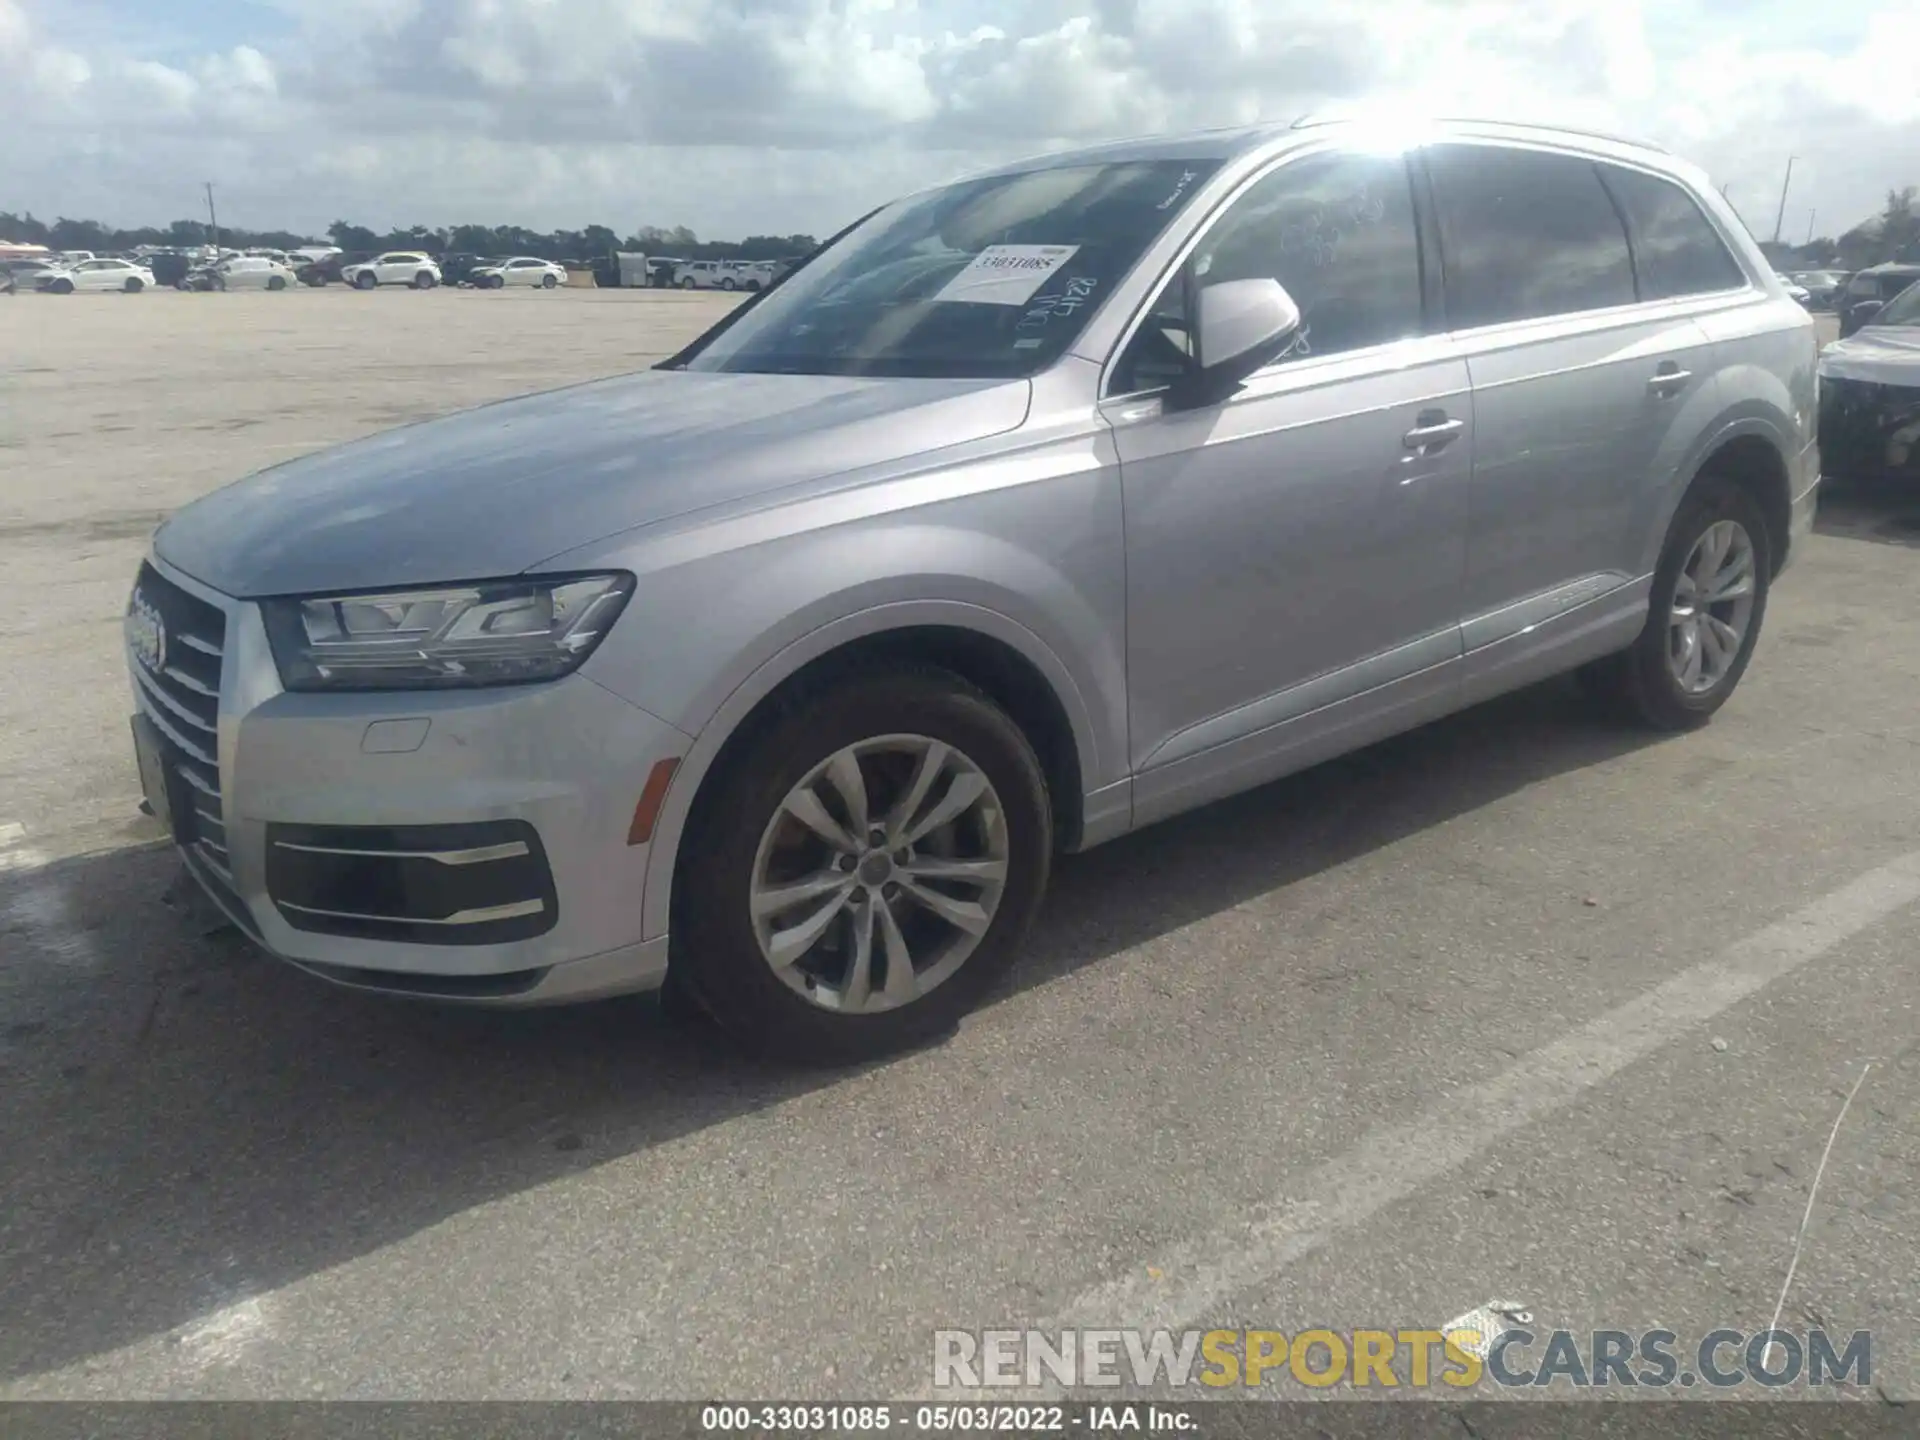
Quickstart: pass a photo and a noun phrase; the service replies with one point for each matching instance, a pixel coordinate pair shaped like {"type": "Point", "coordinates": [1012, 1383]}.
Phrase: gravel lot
{"type": "Point", "coordinates": [1517, 1006]}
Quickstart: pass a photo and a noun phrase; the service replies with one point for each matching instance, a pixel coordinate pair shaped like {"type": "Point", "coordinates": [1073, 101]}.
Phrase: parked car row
{"type": "Point", "coordinates": [57, 278]}
{"type": "Point", "coordinates": [208, 269]}
{"type": "Point", "coordinates": [749, 275]}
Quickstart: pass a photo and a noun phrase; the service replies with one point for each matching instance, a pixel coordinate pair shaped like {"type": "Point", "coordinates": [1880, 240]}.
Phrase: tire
{"type": "Point", "coordinates": [689, 284]}
{"type": "Point", "coordinates": [276, 282]}
{"type": "Point", "coordinates": [1639, 684]}
{"type": "Point", "coordinates": [718, 953]}
{"type": "Point", "coordinates": [423, 281]}
{"type": "Point", "coordinates": [548, 282]}
{"type": "Point", "coordinates": [134, 285]}
{"type": "Point", "coordinates": [726, 282]}
{"type": "Point", "coordinates": [61, 287]}
{"type": "Point", "coordinates": [753, 287]}
{"type": "Point", "coordinates": [365, 281]}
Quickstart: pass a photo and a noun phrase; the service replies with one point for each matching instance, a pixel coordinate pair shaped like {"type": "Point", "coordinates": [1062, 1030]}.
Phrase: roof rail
{"type": "Point", "coordinates": [1314, 119]}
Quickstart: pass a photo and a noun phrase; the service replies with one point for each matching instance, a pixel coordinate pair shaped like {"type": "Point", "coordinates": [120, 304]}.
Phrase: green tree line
{"type": "Point", "coordinates": [588, 244]}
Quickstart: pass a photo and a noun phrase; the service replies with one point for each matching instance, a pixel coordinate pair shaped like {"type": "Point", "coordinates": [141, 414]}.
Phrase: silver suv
{"type": "Point", "coordinates": [1030, 510]}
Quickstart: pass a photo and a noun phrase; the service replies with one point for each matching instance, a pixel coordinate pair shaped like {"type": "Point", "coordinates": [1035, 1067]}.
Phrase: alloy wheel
{"type": "Point", "coordinates": [879, 873]}
{"type": "Point", "coordinates": [1712, 607]}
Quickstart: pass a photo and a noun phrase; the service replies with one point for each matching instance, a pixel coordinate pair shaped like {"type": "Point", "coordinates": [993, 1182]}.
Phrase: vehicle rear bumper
{"type": "Point", "coordinates": [1803, 506]}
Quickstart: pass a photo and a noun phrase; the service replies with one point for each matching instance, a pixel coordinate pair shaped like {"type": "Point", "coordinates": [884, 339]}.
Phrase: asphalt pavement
{"type": "Point", "coordinates": [1521, 1008]}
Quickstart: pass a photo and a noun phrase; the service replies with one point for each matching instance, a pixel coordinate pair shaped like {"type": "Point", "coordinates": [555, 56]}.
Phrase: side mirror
{"type": "Point", "coordinates": [1857, 315]}
{"type": "Point", "coordinates": [1241, 325]}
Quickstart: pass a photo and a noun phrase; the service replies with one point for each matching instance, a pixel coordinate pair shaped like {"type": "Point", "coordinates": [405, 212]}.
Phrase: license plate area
{"type": "Point", "coordinates": [160, 780]}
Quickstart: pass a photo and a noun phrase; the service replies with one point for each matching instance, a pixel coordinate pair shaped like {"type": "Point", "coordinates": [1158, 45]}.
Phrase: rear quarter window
{"type": "Point", "coordinates": [1676, 250]}
{"type": "Point", "coordinates": [1526, 234]}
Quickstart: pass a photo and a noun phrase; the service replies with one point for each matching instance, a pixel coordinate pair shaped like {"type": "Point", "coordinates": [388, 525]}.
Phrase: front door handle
{"type": "Point", "coordinates": [1668, 380]}
{"type": "Point", "coordinates": [1432, 430]}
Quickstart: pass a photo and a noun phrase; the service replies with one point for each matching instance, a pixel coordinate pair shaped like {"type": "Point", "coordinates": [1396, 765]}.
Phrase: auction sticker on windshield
{"type": "Point", "coordinates": [1006, 274]}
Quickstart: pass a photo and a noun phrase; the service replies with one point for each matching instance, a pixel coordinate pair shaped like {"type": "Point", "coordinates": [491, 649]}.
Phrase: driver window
{"type": "Point", "coordinates": [1336, 229]}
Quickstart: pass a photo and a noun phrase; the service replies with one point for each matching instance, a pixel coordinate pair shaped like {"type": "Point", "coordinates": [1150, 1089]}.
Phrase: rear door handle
{"type": "Point", "coordinates": [1668, 380]}
{"type": "Point", "coordinates": [1432, 430]}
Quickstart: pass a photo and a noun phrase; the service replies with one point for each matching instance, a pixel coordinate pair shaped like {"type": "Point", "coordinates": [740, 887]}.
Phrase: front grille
{"type": "Point", "coordinates": [182, 699]}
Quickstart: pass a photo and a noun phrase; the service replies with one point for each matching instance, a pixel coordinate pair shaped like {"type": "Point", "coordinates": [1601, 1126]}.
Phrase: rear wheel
{"type": "Point", "coordinates": [865, 870]}
{"type": "Point", "coordinates": [1709, 599]}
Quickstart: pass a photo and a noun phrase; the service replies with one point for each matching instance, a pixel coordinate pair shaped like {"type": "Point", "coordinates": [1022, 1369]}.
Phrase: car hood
{"type": "Point", "coordinates": [496, 490]}
{"type": "Point", "coordinates": [1882, 354]}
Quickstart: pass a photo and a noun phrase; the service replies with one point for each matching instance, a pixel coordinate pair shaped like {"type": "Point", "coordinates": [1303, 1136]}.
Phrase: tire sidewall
{"type": "Point", "coordinates": [1711, 501]}
{"type": "Point", "coordinates": [721, 956]}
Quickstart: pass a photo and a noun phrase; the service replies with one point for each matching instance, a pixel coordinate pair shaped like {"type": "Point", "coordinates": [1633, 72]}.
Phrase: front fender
{"type": "Point", "coordinates": [789, 660]}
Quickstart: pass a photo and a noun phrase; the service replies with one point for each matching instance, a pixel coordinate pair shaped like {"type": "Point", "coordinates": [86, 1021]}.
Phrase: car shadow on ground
{"type": "Point", "coordinates": [186, 1120]}
{"type": "Point", "coordinates": [1885, 514]}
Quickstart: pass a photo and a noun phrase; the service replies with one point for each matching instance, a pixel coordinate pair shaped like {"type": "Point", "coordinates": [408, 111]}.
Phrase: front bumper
{"type": "Point", "coordinates": [311, 786]}
{"type": "Point", "coordinates": [1870, 431]}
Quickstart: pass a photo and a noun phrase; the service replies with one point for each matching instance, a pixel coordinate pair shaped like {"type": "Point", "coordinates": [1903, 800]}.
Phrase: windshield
{"type": "Point", "coordinates": [1903, 309]}
{"type": "Point", "coordinates": [989, 278]}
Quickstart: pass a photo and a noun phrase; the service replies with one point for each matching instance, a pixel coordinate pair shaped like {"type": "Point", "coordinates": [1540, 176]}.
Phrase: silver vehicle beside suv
{"type": "Point", "coordinates": [1030, 510]}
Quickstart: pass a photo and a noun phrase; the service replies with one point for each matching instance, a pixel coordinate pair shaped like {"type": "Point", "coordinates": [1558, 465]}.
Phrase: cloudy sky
{"type": "Point", "coordinates": [739, 116]}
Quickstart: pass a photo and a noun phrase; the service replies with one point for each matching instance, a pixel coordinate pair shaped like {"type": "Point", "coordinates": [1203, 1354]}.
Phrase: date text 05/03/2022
{"type": "Point", "coordinates": [941, 1417]}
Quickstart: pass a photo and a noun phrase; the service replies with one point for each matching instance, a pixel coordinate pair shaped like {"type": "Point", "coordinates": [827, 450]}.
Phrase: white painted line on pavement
{"type": "Point", "coordinates": [1488, 1323]}
{"type": "Point", "coordinates": [15, 854]}
{"type": "Point", "coordinates": [1188, 1282]}
{"type": "Point", "coordinates": [39, 906]}
{"type": "Point", "coordinates": [225, 1336]}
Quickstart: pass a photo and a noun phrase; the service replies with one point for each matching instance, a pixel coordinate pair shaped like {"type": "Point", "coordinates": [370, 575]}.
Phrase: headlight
{"type": "Point", "coordinates": [494, 632]}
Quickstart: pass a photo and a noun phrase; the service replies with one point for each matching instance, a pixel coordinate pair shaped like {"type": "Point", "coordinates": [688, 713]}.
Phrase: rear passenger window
{"type": "Point", "coordinates": [1675, 250]}
{"type": "Point", "coordinates": [1525, 233]}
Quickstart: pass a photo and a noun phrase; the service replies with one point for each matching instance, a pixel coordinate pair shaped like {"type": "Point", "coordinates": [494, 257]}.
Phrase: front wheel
{"type": "Point", "coordinates": [365, 281]}
{"type": "Point", "coordinates": [1709, 599]}
{"type": "Point", "coordinates": [62, 287]}
{"type": "Point", "coordinates": [423, 281]}
{"type": "Point", "coordinates": [688, 284]}
{"type": "Point", "coordinates": [134, 285]}
{"type": "Point", "coordinates": [865, 869]}
{"type": "Point", "coordinates": [548, 282]}
{"type": "Point", "coordinates": [276, 282]}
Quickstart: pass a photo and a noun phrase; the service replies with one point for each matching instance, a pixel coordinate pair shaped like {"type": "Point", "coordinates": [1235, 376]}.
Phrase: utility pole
{"type": "Point", "coordinates": [1781, 218]}
{"type": "Point", "coordinates": [1810, 215]}
{"type": "Point", "coordinates": [213, 220]}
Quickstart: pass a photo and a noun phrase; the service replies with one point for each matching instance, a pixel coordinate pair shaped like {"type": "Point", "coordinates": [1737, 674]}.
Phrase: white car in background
{"type": "Point", "coordinates": [98, 275]}
{"type": "Point", "coordinates": [254, 272]}
{"type": "Point", "coordinates": [520, 270]}
{"type": "Point", "coordinates": [396, 267]}
{"type": "Point", "coordinates": [710, 275]}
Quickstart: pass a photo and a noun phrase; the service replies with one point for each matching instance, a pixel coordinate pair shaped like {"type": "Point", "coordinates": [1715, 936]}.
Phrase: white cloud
{"type": "Point", "coordinates": [758, 115]}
